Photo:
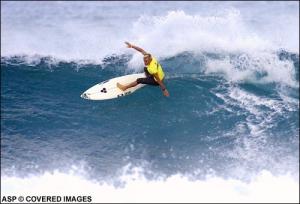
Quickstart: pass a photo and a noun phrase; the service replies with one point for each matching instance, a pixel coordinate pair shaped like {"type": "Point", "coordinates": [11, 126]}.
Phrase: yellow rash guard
{"type": "Point", "coordinates": [154, 67]}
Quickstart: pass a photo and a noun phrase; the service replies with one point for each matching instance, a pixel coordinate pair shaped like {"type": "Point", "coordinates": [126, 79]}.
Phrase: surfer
{"type": "Point", "coordinates": [153, 70]}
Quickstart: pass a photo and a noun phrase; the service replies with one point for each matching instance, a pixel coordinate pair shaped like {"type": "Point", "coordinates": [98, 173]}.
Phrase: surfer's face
{"type": "Point", "coordinates": [147, 60]}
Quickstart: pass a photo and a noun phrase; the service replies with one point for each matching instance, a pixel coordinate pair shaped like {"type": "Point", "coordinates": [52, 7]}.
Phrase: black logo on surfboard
{"type": "Point", "coordinates": [104, 90]}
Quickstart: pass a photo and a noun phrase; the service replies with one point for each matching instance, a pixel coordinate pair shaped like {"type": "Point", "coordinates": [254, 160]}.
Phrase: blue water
{"type": "Point", "coordinates": [193, 129]}
{"type": "Point", "coordinates": [231, 113]}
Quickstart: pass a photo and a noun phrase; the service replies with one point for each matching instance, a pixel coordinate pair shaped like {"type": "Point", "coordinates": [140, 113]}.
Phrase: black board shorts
{"type": "Point", "coordinates": [148, 80]}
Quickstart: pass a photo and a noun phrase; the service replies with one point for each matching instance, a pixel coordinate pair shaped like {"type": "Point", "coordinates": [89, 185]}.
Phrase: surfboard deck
{"type": "Point", "coordinates": [108, 89]}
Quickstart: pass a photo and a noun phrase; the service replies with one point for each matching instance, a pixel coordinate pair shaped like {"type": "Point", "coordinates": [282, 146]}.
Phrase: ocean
{"type": "Point", "coordinates": [229, 132]}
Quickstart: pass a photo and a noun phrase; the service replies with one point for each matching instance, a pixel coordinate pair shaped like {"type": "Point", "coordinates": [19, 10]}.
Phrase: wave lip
{"type": "Point", "coordinates": [260, 67]}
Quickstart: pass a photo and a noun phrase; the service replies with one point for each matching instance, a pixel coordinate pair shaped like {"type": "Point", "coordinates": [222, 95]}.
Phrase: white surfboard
{"type": "Point", "coordinates": [109, 90]}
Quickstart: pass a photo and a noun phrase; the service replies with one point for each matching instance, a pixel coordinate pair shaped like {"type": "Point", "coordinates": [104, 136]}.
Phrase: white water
{"type": "Point", "coordinates": [245, 68]}
{"type": "Point", "coordinates": [264, 187]}
{"type": "Point", "coordinates": [93, 30]}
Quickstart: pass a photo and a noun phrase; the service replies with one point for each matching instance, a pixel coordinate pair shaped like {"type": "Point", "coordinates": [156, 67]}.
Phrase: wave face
{"type": "Point", "coordinates": [232, 119]}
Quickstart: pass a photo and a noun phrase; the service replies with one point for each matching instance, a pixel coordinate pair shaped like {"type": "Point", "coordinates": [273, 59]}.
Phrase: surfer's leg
{"type": "Point", "coordinates": [124, 87]}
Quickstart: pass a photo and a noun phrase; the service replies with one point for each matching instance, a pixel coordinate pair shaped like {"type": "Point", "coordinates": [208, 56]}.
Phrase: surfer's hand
{"type": "Point", "coordinates": [128, 44]}
{"type": "Point", "coordinates": [166, 93]}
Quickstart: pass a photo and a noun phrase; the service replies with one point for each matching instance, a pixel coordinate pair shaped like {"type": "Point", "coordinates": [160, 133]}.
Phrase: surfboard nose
{"type": "Point", "coordinates": [84, 95]}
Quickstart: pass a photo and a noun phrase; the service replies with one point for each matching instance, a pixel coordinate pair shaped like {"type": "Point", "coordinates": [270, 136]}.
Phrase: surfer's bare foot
{"type": "Point", "coordinates": [120, 86]}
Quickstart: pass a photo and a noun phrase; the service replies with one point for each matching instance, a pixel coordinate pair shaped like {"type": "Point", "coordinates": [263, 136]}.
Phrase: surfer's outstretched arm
{"type": "Point", "coordinates": [129, 45]}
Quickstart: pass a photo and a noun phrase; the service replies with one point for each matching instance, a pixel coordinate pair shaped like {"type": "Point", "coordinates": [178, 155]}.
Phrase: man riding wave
{"type": "Point", "coordinates": [153, 70]}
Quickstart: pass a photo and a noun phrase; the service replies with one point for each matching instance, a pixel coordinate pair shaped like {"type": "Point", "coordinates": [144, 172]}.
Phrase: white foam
{"type": "Point", "coordinates": [257, 121]}
{"type": "Point", "coordinates": [93, 30]}
{"type": "Point", "coordinates": [247, 66]}
{"type": "Point", "coordinates": [178, 31]}
{"type": "Point", "coordinates": [264, 187]}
